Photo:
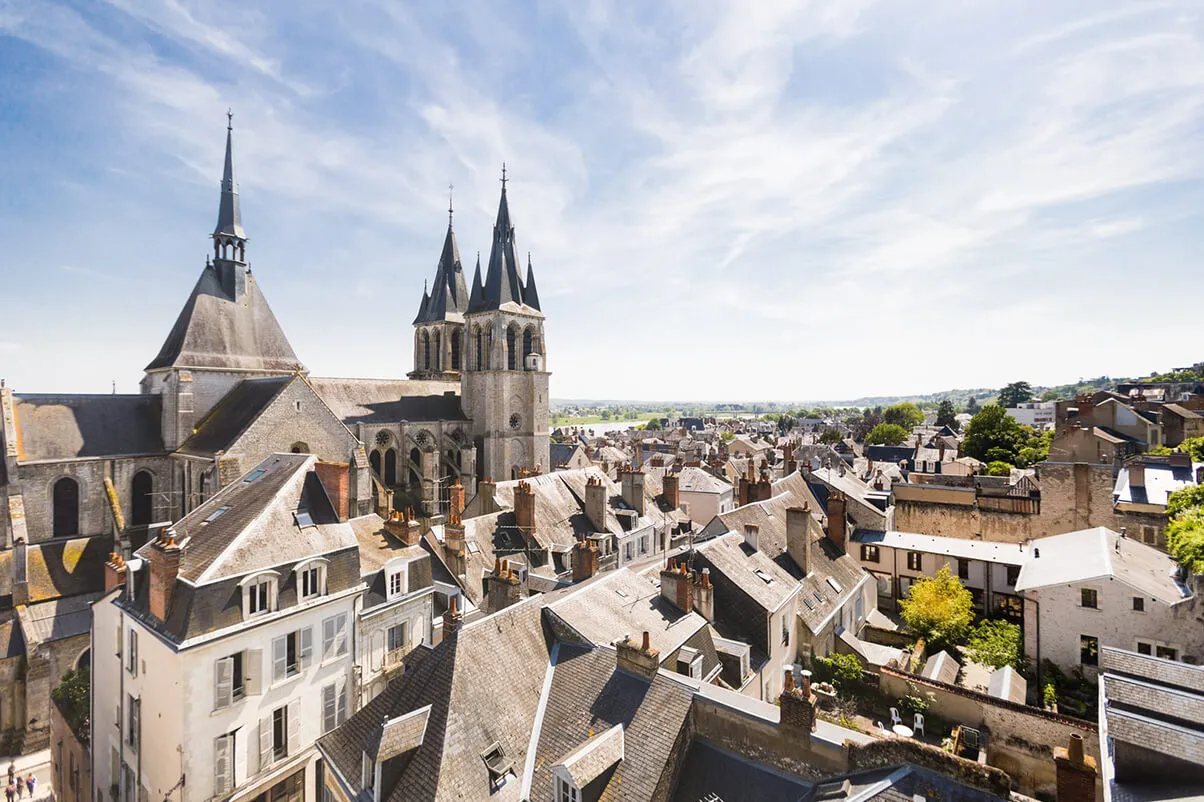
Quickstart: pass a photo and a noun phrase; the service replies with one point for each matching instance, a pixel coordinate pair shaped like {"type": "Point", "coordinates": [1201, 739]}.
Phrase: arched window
{"type": "Point", "coordinates": [480, 345]}
{"type": "Point", "coordinates": [528, 344]}
{"type": "Point", "coordinates": [511, 338]}
{"type": "Point", "coordinates": [374, 461]}
{"type": "Point", "coordinates": [438, 351]}
{"type": "Point", "coordinates": [390, 467]}
{"type": "Point", "coordinates": [66, 507]}
{"type": "Point", "coordinates": [455, 350]}
{"type": "Point", "coordinates": [426, 350]}
{"type": "Point", "coordinates": [416, 458]}
{"type": "Point", "coordinates": [142, 507]}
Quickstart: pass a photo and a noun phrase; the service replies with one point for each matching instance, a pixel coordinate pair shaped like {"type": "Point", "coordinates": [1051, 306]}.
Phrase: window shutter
{"type": "Point", "coordinates": [265, 742]}
{"type": "Point", "coordinates": [377, 651]}
{"type": "Point", "coordinates": [340, 636]}
{"type": "Point", "coordinates": [133, 656]}
{"type": "Point", "coordinates": [327, 638]}
{"type": "Point", "coordinates": [223, 683]}
{"type": "Point", "coordinates": [329, 707]}
{"type": "Point", "coordinates": [294, 726]}
{"type": "Point", "coordinates": [252, 672]}
{"type": "Point", "coordinates": [341, 713]}
{"type": "Point", "coordinates": [279, 658]}
{"type": "Point", "coordinates": [306, 650]}
{"type": "Point", "coordinates": [136, 725]}
{"type": "Point", "coordinates": [222, 765]}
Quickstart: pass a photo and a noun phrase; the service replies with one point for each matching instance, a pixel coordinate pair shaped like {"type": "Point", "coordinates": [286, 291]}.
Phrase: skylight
{"type": "Point", "coordinates": [809, 603]}
{"type": "Point", "coordinates": [835, 585]}
{"type": "Point", "coordinates": [766, 578]}
{"type": "Point", "coordinates": [253, 475]}
{"type": "Point", "coordinates": [303, 518]}
{"type": "Point", "coordinates": [213, 516]}
{"type": "Point", "coordinates": [818, 597]}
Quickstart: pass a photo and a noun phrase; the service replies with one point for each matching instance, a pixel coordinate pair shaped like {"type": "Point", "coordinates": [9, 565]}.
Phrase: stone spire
{"type": "Point", "coordinates": [503, 282]}
{"type": "Point", "coordinates": [229, 218]}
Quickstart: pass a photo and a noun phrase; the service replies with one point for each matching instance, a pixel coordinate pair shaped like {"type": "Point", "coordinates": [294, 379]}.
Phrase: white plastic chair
{"type": "Point", "coordinates": [895, 718]}
{"type": "Point", "coordinates": [919, 724]}
{"type": "Point", "coordinates": [878, 726]}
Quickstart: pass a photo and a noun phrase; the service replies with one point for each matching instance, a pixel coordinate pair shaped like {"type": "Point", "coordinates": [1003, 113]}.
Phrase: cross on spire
{"type": "Point", "coordinates": [229, 119]}
{"type": "Point", "coordinates": [450, 194]}
{"type": "Point", "coordinates": [503, 176]}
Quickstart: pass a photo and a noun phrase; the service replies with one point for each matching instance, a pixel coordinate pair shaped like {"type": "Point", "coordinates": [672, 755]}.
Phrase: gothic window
{"type": "Point", "coordinates": [426, 350]}
{"type": "Point", "coordinates": [528, 344]}
{"type": "Point", "coordinates": [438, 351]}
{"type": "Point", "coordinates": [66, 507]}
{"type": "Point", "coordinates": [515, 421]}
{"type": "Point", "coordinates": [455, 350]}
{"type": "Point", "coordinates": [510, 349]}
{"type": "Point", "coordinates": [416, 458]}
{"type": "Point", "coordinates": [141, 506]}
{"type": "Point", "coordinates": [390, 467]}
{"type": "Point", "coordinates": [383, 438]}
{"type": "Point", "coordinates": [480, 350]}
{"type": "Point", "coordinates": [374, 461]}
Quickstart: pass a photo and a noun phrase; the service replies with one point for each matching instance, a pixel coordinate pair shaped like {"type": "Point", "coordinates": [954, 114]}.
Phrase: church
{"type": "Point", "coordinates": [83, 475]}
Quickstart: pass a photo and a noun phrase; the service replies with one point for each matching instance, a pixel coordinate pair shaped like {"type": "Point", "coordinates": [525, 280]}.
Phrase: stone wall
{"type": "Point", "coordinates": [70, 763]}
{"type": "Point", "coordinates": [1019, 739]}
{"type": "Point", "coordinates": [895, 751]}
{"type": "Point", "coordinates": [297, 415]}
{"type": "Point", "coordinates": [764, 740]}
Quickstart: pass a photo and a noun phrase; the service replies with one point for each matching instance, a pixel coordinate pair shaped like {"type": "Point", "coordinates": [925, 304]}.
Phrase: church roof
{"type": "Point", "coordinates": [504, 288]}
{"type": "Point", "coordinates": [216, 331]}
{"type": "Point", "coordinates": [231, 416]}
{"type": "Point", "coordinates": [56, 427]}
{"type": "Point", "coordinates": [229, 217]}
{"type": "Point", "coordinates": [390, 400]}
{"type": "Point", "coordinates": [448, 299]}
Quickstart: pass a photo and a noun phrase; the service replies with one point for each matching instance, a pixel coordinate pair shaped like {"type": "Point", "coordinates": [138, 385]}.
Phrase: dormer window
{"type": "Point", "coordinates": [397, 578]}
{"type": "Point", "coordinates": [311, 579]}
{"type": "Point", "coordinates": [566, 791]}
{"type": "Point", "coordinates": [258, 594]}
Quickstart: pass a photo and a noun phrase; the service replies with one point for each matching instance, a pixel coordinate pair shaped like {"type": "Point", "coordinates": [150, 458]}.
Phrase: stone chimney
{"type": "Point", "coordinates": [486, 492]}
{"type": "Point", "coordinates": [336, 481]}
{"type": "Point", "coordinates": [165, 557]}
{"type": "Point", "coordinates": [524, 510]}
{"type": "Point", "coordinates": [752, 534]}
{"type": "Point", "coordinates": [1136, 473]}
{"type": "Point", "coordinates": [675, 586]}
{"type": "Point", "coordinates": [455, 499]}
{"type": "Point", "coordinates": [798, 537]}
{"type": "Point", "coordinates": [20, 573]}
{"type": "Point", "coordinates": [658, 461]}
{"type": "Point", "coordinates": [595, 503]}
{"type": "Point", "coordinates": [641, 660]}
{"type": "Point", "coordinates": [702, 594]}
{"type": "Point", "coordinates": [114, 572]}
{"type": "Point", "coordinates": [453, 617]}
{"type": "Point", "coordinates": [585, 559]}
{"type": "Point", "coordinates": [633, 489]}
{"type": "Point", "coordinates": [454, 553]}
{"type": "Point", "coordinates": [797, 705]}
{"type": "Point", "coordinates": [403, 527]}
{"type": "Point", "coordinates": [1076, 772]}
{"type": "Point", "coordinates": [502, 588]}
{"type": "Point", "coordinates": [764, 488]}
{"type": "Point", "coordinates": [837, 525]}
{"type": "Point", "coordinates": [1086, 409]}
{"type": "Point", "coordinates": [669, 489]}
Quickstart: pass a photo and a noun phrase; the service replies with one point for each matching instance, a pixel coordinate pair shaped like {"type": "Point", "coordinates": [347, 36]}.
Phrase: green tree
{"type": "Point", "coordinates": [938, 609]}
{"type": "Point", "coordinates": [1185, 499]}
{"type": "Point", "coordinates": [971, 405]}
{"type": "Point", "coordinates": [830, 436]}
{"type": "Point", "coordinates": [1185, 539]}
{"type": "Point", "coordinates": [606, 414]}
{"type": "Point", "coordinates": [999, 468]}
{"type": "Point", "coordinates": [1015, 393]}
{"type": "Point", "coordinates": [888, 434]}
{"type": "Point", "coordinates": [842, 670]}
{"type": "Point", "coordinates": [996, 643]}
{"type": "Point", "coordinates": [1195, 447]}
{"type": "Point", "coordinates": [727, 437]}
{"type": "Point", "coordinates": [946, 415]}
{"type": "Point", "coordinates": [906, 414]}
{"type": "Point", "coordinates": [654, 423]}
{"type": "Point", "coordinates": [993, 435]}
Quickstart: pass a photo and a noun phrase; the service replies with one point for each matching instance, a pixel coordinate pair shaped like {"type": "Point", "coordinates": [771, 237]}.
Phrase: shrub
{"type": "Point", "coordinates": [842, 670]}
{"type": "Point", "coordinates": [72, 699]}
{"type": "Point", "coordinates": [938, 609]}
{"type": "Point", "coordinates": [913, 704]}
{"type": "Point", "coordinates": [999, 468]}
{"type": "Point", "coordinates": [1049, 695]}
{"type": "Point", "coordinates": [996, 643]}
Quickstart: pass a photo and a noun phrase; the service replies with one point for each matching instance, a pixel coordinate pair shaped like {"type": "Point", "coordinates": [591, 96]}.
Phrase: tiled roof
{"type": "Point", "coordinates": [231, 416]}
{"type": "Point", "coordinates": [390, 401]}
{"type": "Point", "coordinates": [986, 550]}
{"type": "Point", "coordinates": [754, 572]}
{"type": "Point", "coordinates": [56, 620]}
{"type": "Point", "coordinates": [56, 427]}
{"type": "Point", "coordinates": [712, 774]}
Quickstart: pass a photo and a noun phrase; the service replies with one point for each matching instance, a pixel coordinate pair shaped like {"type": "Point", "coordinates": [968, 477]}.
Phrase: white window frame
{"type": "Point", "coordinates": [334, 637]}
{"type": "Point", "coordinates": [131, 663]}
{"type": "Point", "coordinates": [334, 705]}
{"type": "Point", "coordinates": [566, 791]}
{"type": "Point", "coordinates": [250, 586]}
{"type": "Point", "coordinates": [405, 636]}
{"type": "Point", "coordinates": [300, 571]}
{"type": "Point", "coordinates": [303, 649]}
{"type": "Point", "coordinates": [223, 764]}
{"type": "Point", "coordinates": [397, 578]}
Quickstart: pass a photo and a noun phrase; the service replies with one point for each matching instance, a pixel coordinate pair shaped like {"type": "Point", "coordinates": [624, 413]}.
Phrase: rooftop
{"type": "Point", "coordinates": [985, 550]}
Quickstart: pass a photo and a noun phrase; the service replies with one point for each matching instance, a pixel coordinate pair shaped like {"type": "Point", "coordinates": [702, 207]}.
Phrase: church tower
{"type": "Point", "coordinates": [504, 383]}
{"type": "Point", "coordinates": [439, 326]}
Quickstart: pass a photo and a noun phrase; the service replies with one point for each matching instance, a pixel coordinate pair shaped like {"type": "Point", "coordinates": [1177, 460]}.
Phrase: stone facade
{"type": "Point", "coordinates": [70, 761]}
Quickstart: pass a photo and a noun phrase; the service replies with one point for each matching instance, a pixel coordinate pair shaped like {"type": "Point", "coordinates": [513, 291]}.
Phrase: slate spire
{"type": "Point", "coordinates": [503, 282]}
{"type": "Point", "coordinates": [448, 299]}
{"type": "Point", "coordinates": [530, 294]}
{"type": "Point", "coordinates": [229, 217]}
{"type": "Point", "coordinates": [474, 300]}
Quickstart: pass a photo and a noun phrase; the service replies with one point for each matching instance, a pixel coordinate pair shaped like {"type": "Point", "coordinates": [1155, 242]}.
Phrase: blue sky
{"type": "Point", "coordinates": [741, 201]}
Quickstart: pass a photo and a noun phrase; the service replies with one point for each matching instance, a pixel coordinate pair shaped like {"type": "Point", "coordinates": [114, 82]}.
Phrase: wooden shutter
{"type": "Point", "coordinates": [265, 742]}
{"type": "Point", "coordinates": [340, 634]}
{"type": "Point", "coordinates": [136, 725]}
{"type": "Point", "coordinates": [329, 707]}
{"type": "Point", "coordinates": [252, 672]}
{"type": "Point", "coordinates": [133, 656]}
{"type": "Point", "coordinates": [223, 765]}
{"type": "Point", "coordinates": [327, 638]}
{"type": "Point", "coordinates": [223, 683]}
{"type": "Point", "coordinates": [294, 726]}
{"type": "Point", "coordinates": [305, 647]}
{"type": "Point", "coordinates": [279, 658]}
{"type": "Point", "coordinates": [341, 701]}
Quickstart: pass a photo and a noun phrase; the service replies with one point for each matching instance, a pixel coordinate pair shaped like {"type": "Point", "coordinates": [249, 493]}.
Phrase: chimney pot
{"type": "Point", "coordinates": [647, 644]}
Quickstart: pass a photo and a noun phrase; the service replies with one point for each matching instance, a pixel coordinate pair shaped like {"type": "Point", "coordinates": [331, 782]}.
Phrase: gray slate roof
{"type": "Point", "coordinates": [448, 298]}
{"type": "Point", "coordinates": [712, 774]}
{"type": "Point", "coordinates": [503, 286]}
{"type": "Point", "coordinates": [214, 331]}
{"type": "Point", "coordinates": [390, 400]}
{"type": "Point", "coordinates": [55, 427]}
{"type": "Point", "coordinates": [233, 414]}
{"type": "Point", "coordinates": [58, 619]}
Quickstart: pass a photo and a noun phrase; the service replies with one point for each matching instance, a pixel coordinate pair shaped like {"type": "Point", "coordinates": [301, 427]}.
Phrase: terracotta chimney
{"type": "Point", "coordinates": [798, 538]}
{"type": "Point", "coordinates": [669, 489]}
{"type": "Point", "coordinates": [452, 618]}
{"type": "Point", "coordinates": [675, 586]}
{"type": "Point", "coordinates": [502, 588]}
{"type": "Point", "coordinates": [336, 481]}
{"type": "Point", "coordinates": [114, 572]}
{"type": "Point", "coordinates": [837, 525]}
{"type": "Point", "coordinates": [640, 660]}
{"type": "Point", "coordinates": [455, 499]}
{"type": "Point", "coordinates": [524, 510]}
{"type": "Point", "coordinates": [658, 461]}
{"type": "Point", "coordinates": [165, 559]}
{"type": "Point", "coordinates": [797, 705]}
{"type": "Point", "coordinates": [1076, 772]}
{"type": "Point", "coordinates": [702, 595]}
{"type": "Point", "coordinates": [595, 503]}
{"type": "Point", "coordinates": [486, 492]}
{"type": "Point", "coordinates": [454, 553]}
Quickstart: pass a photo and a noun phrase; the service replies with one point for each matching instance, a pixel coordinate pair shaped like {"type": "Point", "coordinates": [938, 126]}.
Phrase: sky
{"type": "Point", "coordinates": [722, 201]}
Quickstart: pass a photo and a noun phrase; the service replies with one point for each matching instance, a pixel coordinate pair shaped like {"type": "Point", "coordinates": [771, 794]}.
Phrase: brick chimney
{"type": "Point", "coordinates": [669, 490]}
{"type": "Point", "coordinates": [524, 510]}
{"type": "Point", "coordinates": [743, 492]}
{"type": "Point", "coordinates": [114, 572]}
{"type": "Point", "coordinates": [797, 705]}
{"type": "Point", "coordinates": [585, 559]}
{"type": "Point", "coordinates": [1136, 473]}
{"type": "Point", "coordinates": [403, 527]}
{"type": "Point", "coordinates": [764, 488]}
{"type": "Point", "coordinates": [640, 660]}
{"type": "Point", "coordinates": [336, 481]}
{"type": "Point", "coordinates": [1076, 772]}
{"type": "Point", "coordinates": [455, 498]}
{"type": "Point", "coordinates": [486, 492]}
{"type": "Point", "coordinates": [165, 557]}
{"type": "Point", "coordinates": [798, 538]}
{"type": "Point", "coordinates": [675, 586]}
{"type": "Point", "coordinates": [454, 553]}
{"type": "Point", "coordinates": [633, 489]}
{"type": "Point", "coordinates": [658, 461]}
{"type": "Point", "coordinates": [595, 503]}
{"type": "Point", "coordinates": [502, 587]}
{"type": "Point", "coordinates": [837, 525]}
{"type": "Point", "coordinates": [452, 617]}
{"type": "Point", "coordinates": [702, 594]}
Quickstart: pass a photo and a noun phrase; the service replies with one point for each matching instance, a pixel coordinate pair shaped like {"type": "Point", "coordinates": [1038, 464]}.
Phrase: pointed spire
{"type": "Point", "coordinates": [450, 195]}
{"type": "Point", "coordinates": [476, 298]}
{"type": "Point", "coordinates": [421, 317]}
{"type": "Point", "coordinates": [503, 284]}
{"type": "Point", "coordinates": [530, 294]}
{"type": "Point", "coordinates": [229, 218]}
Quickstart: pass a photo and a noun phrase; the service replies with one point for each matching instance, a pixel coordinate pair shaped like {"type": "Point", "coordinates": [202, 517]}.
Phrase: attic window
{"type": "Point", "coordinates": [473, 548]}
{"type": "Point", "coordinates": [304, 519]}
{"type": "Point", "coordinates": [818, 597]}
{"type": "Point", "coordinates": [497, 763]}
{"type": "Point", "coordinates": [833, 790]}
{"type": "Point", "coordinates": [835, 585]}
{"type": "Point", "coordinates": [766, 578]}
{"type": "Point", "coordinates": [253, 475]}
{"type": "Point", "coordinates": [810, 604]}
{"type": "Point", "coordinates": [213, 516]}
